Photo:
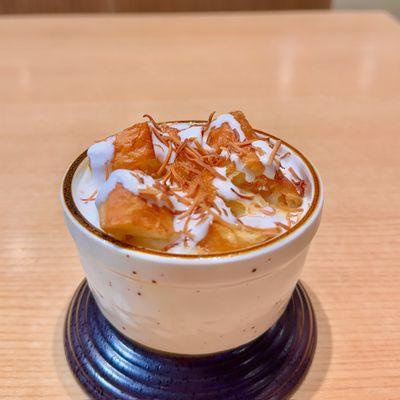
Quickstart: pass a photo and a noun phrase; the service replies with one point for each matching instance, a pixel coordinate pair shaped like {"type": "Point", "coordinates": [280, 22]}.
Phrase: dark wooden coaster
{"type": "Point", "coordinates": [110, 366]}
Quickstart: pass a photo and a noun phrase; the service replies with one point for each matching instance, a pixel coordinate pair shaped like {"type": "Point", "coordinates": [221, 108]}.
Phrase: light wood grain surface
{"type": "Point", "coordinates": [326, 82]}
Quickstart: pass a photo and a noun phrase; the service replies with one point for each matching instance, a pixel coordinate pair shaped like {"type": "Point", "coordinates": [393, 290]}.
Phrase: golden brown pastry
{"type": "Point", "coordinates": [197, 188]}
{"type": "Point", "coordinates": [126, 216]}
{"type": "Point", "coordinates": [133, 149]}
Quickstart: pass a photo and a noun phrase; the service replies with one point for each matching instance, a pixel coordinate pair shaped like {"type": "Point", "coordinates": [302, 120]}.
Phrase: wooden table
{"type": "Point", "coordinates": [327, 82]}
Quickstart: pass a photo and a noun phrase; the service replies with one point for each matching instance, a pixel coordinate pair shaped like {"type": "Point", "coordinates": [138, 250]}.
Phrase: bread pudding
{"type": "Point", "coordinates": [194, 187]}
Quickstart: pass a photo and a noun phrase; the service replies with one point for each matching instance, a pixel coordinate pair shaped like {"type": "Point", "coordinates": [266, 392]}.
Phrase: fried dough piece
{"type": "Point", "coordinates": [286, 193]}
{"type": "Point", "coordinates": [165, 128]}
{"type": "Point", "coordinates": [244, 123]}
{"type": "Point", "coordinates": [250, 161]}
{"type": "Point", "coordinates": [222, 136]}
{"type": "Point", "coordinates": [185, 168]}
{"type": "Point", "coordinates": [261, 185]}
{"type": "Point", "coordinates": [279, 191]}
{"type": "Point", "coordinates": [221, 237]}
{"type": "Point", "coordinates": [225, 137]}
{"type": "Point", "coordinates": [190, 174]}
{"type": "Point", "coordinates": [127, 216]}
{"type": "Point", "coordinates": [133, 149]}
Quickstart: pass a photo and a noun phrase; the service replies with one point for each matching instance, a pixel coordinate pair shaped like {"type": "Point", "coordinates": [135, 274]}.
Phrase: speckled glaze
{"type": "Point", "coordinates": [191, 305]}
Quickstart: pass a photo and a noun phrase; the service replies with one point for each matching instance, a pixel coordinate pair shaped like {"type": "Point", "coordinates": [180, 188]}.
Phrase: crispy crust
{"type": "Point", "coordinates": [244, 123]}
{"type": "Point", "coordinates": [134, 220]}
{"type": "Point", "coordinates": [225, 137]}
{"type": "Point", "coordinates": [125, 215]}
{"type": "Point", "coordinates": [133, 149]}
{"type": "Point", "coordinates": [221, 237]}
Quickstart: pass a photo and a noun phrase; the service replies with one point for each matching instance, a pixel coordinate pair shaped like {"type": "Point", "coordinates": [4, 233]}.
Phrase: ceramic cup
{"type": "Point", "coordinates": [187, 304]}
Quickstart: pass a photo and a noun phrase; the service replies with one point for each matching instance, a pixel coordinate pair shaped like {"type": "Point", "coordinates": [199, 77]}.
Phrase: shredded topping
{"type": "Point", "coordinates": [273, 152]}
{"type": "Point", "coordinates": [92, 197]}
{"type": "Point", "coordinates": [236, 182]}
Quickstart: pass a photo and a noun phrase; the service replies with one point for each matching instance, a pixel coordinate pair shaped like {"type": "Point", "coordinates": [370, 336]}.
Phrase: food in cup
{"type": "Point", "coordinates": [196, 303]}
{"type": "Point", "coordinates": [195, 187]}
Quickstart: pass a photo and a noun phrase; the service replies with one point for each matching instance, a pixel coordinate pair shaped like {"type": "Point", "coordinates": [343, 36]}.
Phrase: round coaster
{"type": "Point", "coordinates": [110, 366]}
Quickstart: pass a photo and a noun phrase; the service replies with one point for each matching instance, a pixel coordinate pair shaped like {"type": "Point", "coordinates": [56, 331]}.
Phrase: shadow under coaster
{"type": "Point", "coordinates": [110, 366]}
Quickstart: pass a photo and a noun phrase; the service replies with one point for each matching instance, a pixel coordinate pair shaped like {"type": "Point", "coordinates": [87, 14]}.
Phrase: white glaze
{"type": "Point", "coordinates": [262, 221]}
{"type": "Point", "coordinates": [177, 205]}
{"type": "Point", "coordinates": [263, 152]}
{"type": "Point", "coordinates": [224, 187]}
{"type": "Point", "coordinates": [196, 226]}
{"type": "Point", "coordinates": [229, 119]}
{"type": "Point", "coordinates": [134, 181]}
{"type": "Point", "coordinates": [224, 211]}
{"type": "Point", "coordinates": [234, 157]}
{"type": "Point", "coordinates": [100, 155]}
{"type": "Point", "coordinates": [249, 176]}
{"type": "Point", "coordinates": [161, 150]}
{"type": "Point", "coordinates": [193, 132]}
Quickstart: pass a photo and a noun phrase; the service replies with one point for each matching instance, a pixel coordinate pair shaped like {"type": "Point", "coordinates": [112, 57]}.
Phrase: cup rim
{"type": "Point", "coordinates": [73, 209]}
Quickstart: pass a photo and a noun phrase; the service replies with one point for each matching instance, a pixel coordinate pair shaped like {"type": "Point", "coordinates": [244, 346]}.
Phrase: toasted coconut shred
{"type": "Point", "coordinates": [92, 197]}
{"type": "Point", "coordinates": [201, 184]}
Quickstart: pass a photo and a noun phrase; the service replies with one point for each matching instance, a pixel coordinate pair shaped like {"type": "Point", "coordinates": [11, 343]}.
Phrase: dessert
{"type": "Point", "coordinates": [196, 187]}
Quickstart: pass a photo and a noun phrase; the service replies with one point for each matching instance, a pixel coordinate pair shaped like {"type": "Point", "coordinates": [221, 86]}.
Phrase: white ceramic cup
{"type": "Point", "coordinates": [188, 304]}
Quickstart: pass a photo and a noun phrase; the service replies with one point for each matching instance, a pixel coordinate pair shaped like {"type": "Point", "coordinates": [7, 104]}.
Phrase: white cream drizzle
{"type": "Point", "coordinates": [194, 132]}
{"type": "Point", "coordinates": [229, 119]}
{"type": "Point", "coordinates": [248, 174]}
{"type": "Point", "coordinates": [263, 152]}
{"type": "Point", "coordinates": [135, 181]}
{"type": "Point", "coordinates": [130, 180]}
{"type": "Point", "coordinates": [161, 150]}
{"type": "Point", "coordinates": [224, 187]}
{"type": "Point", "coordinates": [176, 204]}
{"type": "Point", "coordinates": [260, 221]}
{"type": "Point", "coordinates": [100, 155]}
{"type": "Point", "coordinates": [197, 225]}
{"type": "Point", "coordinates": [234, 157]}
{"type": "Point", "coordinates": [224, 211]}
